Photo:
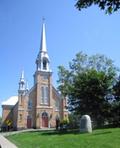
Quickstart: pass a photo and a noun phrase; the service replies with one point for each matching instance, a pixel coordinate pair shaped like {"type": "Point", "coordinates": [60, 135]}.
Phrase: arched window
{"type": "Point", "coordinates": [44, 114]}
{"type": "Point", "coordinates": [57, 105]}
{"type": "Point", "coordinates": [44, 95]}
{"type": "Point", "coordinates": [44, 64]}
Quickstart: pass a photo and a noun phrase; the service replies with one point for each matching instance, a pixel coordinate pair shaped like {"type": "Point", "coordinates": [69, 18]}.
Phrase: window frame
{"type": "Point", "coordinates": [44, 95]}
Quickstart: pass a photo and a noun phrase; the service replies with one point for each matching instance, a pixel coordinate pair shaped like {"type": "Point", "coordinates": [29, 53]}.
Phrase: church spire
{"type": "Point", "coordinates": [42, 61]}
{"type": "Point", "coordinates": [22, 79]}
{"type": "Point", "coordinates": [22, 83]}
{"type": "Point", "coordinates": [43, 46]}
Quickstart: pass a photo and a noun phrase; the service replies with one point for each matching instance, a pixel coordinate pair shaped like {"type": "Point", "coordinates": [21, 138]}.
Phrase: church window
{"type": "Point", "coordinates": [44, 64]}
{"type": "Point", "coordinates": [30, 104]}
{"type": "Point", "coordinates": [56, 105]}
{"type": "Point", "coordinates": [44, 95]}
{"type": "Point", "coordinates": [44, 114]}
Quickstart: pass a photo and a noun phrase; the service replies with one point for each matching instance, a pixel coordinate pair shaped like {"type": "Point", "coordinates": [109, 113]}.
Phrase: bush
{"type": "Point", "coordinates": [64, 124]}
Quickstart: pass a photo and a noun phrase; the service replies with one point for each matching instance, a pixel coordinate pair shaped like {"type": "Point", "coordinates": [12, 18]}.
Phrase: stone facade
{"type": "Point", "coordinates": [40, 106]}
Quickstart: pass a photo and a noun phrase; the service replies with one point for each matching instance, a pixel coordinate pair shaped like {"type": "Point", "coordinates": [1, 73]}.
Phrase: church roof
{"type": "Point", "coordinates": [11, 101]}
{"type": "Point", "coordinates": [57, 93]}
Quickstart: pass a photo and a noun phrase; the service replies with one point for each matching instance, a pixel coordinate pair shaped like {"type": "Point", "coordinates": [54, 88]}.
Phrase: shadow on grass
{"type": "Point", "coordinates": [63, 132]}
{"type": "Point", "coordinates": [55, 132]}
{"type": "Point", "coordinates": [102, 133]}
{"type": "Point", "coordinates": [73, 132]}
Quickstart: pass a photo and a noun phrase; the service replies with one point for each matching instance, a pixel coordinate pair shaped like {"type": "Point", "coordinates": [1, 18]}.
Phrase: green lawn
{"type": "Point", "coordinates": [103, 138]}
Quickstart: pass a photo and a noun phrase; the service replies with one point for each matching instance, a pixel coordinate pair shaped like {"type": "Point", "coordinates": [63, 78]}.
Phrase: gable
{"type": "Point", "coordinates": [55, 94]}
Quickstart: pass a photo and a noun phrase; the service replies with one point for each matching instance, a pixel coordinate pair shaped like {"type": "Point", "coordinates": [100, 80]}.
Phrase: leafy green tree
{"type": "Point", "coordinates": [87, 84]}
{"type": "Point", "coordinates": [115, 106]}
{"type": "Point", "coordinates": [74, 121]}
{"type": "Point", "coordinates": [87, 96]}
{"type": "Point", "coordinates": [115, 114]}
{"type": "Point", "coordinates": [109, 6]}
{"type": "Point", "coordinates": [116, 91]}
{"type": "Point", "coordinates": [0, 121]}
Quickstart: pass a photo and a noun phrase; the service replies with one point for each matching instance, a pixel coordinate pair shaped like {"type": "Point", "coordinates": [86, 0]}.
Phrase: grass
{"type": "Point", "coordinates": [103, 138]}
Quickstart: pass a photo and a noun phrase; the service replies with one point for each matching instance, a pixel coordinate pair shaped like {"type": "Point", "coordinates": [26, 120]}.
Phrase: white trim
{"type": "Point", "coordinates": [47, 107]}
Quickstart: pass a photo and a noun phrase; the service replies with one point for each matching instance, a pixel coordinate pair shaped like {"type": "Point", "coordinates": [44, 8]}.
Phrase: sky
{"type": "Point", "coordinates": [68, 31]}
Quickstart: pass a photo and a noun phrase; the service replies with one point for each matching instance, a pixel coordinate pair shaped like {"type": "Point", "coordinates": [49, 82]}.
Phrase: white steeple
{"type": "Point", "coordinates": [43, 46]}
{"type": "Point", "coordinates": [22, 82]}
{"type": "Point", "coordinates": [42, 61]}
{"type": "Point", "coordinates": [22, 79]}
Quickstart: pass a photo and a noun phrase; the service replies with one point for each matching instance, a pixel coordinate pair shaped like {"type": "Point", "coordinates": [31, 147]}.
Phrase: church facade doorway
{"type": "Point", "coordinates": [44, 119]}
{"type": "Point", "coordinates": [29, 122]}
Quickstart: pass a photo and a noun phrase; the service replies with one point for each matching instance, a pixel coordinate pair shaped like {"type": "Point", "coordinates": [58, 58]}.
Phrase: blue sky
{"type": "Point", "coordinates": [68, 31]}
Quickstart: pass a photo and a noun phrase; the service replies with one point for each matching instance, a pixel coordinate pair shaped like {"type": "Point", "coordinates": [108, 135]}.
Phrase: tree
{"type": "Point", "coordinates": [87, 83]}
{"type": "Point", "coordinates": [116, 91]}
{"type": "Point", "coordinates": [0, 121]}
{"type": "Point", "coordinates": [109, 6]}
{"type": "Point", "coordinates": [115, 114]}
{"type": "Point", "coordinates": [115, 108]}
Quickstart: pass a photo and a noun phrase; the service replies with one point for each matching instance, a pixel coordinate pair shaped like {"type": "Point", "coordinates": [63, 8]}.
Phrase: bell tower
{"type": "Point", "coordinates": [43, 80]}
{"type": "Point", "coordinates": [21, 89]}
{"type": "Point", "coordinates": [22, 103]}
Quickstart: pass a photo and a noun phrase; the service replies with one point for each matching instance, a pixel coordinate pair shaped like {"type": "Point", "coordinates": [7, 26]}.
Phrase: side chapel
{"type": "Point", "coordinates": [40, 106]}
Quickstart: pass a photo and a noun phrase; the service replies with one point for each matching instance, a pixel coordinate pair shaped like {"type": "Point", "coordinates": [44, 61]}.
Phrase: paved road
{"type": "Point", "coordinates": [4, 143]}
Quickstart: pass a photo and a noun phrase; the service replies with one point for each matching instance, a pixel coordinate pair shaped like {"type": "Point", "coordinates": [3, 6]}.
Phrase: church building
{"type": "Point", "coordinates": [38, 107]}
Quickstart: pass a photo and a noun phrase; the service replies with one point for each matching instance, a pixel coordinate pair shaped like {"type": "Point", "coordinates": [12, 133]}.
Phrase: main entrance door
{"type": "Point", "coordinates": [44, 119]}
{"type": "Point", "coordinates": [28, 122]}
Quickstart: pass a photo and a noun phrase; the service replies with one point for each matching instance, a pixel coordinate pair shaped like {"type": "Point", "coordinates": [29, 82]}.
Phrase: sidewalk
{"type": "Point", "coordinates": [4, 143]}
{"type": "Point", "coordinates": [26, 130]}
